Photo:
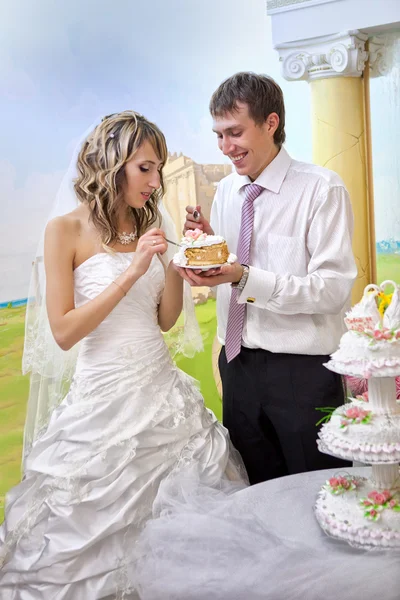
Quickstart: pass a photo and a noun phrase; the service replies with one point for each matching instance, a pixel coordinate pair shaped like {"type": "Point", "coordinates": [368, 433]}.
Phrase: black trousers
{"type": "Point", "coordinates": [269, 408]}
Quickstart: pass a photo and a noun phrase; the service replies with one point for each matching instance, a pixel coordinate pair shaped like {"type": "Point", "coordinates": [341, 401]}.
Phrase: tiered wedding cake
{"type": "Point", "coordinates": [366, 512]}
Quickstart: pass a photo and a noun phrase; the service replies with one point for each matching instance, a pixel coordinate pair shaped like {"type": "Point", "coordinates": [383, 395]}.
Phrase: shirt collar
{"type": "Point", "coordinates": [273, 175]}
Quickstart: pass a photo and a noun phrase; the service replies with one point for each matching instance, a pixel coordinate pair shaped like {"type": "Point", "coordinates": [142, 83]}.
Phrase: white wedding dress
{"type": "Point", "coordinates": [130, 421]}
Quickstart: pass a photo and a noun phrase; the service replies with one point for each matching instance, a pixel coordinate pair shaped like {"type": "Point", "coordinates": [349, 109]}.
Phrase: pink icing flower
{"type": "Point", "coordinates": [378, 334]}
{"type": "Point", "coordinates": [194, 234]}
{"type": "Point", "coordinates": [345, 483]}
{"type": "Point", "coordinates": [397, 334]}
{"type": "Point", "coordinates": [377, 502]}
{"type": "Point", "coordinates": [377, 497]}
{"type": "Point", "coordinates": [339, 485]}
{"type": "Point", "coordinates": [387, 334]}
{"type": "Point", "coordinates": [380, 499]}
{"type": "Point", "coordinates": [354, 412]}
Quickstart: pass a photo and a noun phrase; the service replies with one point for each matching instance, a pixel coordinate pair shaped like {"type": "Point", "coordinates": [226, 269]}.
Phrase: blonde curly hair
{"type": "Point", "coordinates": [101, 171]}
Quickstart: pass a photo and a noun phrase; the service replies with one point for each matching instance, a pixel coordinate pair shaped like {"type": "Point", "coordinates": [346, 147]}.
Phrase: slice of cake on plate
{"type": "Point", "coordinates": [197, 249]}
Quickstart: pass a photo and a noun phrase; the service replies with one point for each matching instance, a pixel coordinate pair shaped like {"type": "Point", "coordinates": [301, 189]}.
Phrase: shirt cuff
{"type": "Point", "coordinates": [259, 288]}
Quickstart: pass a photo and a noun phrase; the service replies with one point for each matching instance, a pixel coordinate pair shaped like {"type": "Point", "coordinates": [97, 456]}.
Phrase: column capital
{"type": "Point", "coordinates": [379, 62]}
{"type": "Point", "coordinates": [338, 55]}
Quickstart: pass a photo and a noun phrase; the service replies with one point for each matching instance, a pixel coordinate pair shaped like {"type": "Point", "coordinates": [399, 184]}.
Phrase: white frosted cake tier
{"type": "Point", "coordinates": [374, 441]}
{"type": "Point", "coordinates": [343, 516]}
{"type": "Point", "coordinates": [362, 356]}
{"type": "Point", "coordinates": [201, 241]}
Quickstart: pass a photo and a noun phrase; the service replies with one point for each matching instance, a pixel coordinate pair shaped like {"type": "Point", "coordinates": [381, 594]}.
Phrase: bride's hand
{"type": "Point", "coordinates": [150, 243]}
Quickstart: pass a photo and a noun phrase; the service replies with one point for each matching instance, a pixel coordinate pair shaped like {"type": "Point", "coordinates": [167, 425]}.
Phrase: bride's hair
{"type": "Point", "coordinates": [101, 170]}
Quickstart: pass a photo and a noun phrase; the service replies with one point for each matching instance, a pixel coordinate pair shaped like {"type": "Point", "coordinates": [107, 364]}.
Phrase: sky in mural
{"type": "Point", "coordinates": [65, 64]}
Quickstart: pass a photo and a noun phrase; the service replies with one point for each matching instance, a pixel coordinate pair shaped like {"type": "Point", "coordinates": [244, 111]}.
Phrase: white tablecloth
{"type": "Point", "coordinates": [285, 505]}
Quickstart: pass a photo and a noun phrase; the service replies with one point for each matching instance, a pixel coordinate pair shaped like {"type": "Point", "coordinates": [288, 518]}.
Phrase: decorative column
{"type": "Point", "coordinates": [333, 65]}
{"type": "Point", "coordinates": [186, 199]}
{"type": "Point", "coordinates": [171, 202]}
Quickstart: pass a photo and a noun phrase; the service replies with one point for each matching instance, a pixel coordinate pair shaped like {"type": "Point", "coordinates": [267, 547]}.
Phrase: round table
{"type": "Point", "coordinates": [285, 506]}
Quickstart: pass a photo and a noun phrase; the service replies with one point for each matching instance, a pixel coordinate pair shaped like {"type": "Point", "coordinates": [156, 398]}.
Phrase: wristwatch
{"type": "Point", "coordinates": [239, 285]}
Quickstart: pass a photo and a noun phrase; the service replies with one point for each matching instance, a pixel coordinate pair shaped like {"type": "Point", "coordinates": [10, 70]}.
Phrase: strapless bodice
{"type": "Point", "coordinates": [131, 330]}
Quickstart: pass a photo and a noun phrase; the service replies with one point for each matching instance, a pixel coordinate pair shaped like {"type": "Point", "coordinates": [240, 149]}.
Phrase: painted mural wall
{"type": "Point", "coordinates": [63, 65]}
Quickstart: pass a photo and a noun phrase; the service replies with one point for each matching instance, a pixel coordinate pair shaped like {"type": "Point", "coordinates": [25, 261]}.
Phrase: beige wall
{"type": "Point", "coordinates": [188, 183]}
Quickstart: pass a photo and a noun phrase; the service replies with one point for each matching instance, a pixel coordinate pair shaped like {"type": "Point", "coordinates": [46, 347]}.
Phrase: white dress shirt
{"type": "Point", "coordinates": [302, 267]}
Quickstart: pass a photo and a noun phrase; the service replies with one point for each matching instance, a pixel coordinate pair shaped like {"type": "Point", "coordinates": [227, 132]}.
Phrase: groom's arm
{"type": "Point", "coordinates": [331, 269]}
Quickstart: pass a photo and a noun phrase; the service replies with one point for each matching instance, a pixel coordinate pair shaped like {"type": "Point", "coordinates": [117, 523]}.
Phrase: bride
{"type": "Point", "coordinates": [129, 481]}
{"type": "Point", "coordinates": [95, 457]}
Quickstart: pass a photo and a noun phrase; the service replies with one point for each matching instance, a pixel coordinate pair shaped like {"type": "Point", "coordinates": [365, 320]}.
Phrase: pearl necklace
{"type": "Point", "coordinates": [126, 238]}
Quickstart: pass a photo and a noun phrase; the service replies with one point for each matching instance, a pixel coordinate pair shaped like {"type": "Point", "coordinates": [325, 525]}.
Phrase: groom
{"type": "Point", "coordinates": [280, 307]}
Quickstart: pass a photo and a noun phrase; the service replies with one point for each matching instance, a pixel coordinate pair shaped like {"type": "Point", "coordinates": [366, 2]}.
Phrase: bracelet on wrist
{"type": "Point", "coordinates": [243, 280]}
{"type": "Point", "coordinates": [120, 287]}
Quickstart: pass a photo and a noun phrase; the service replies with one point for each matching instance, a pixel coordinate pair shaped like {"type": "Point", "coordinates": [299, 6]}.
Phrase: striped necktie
{"type": "Point", "coordinates": [237, 311]}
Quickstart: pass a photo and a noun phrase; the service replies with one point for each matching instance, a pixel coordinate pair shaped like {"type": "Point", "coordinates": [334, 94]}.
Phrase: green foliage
{"type": "Point", "coordinates": [388, 267]}
{"type": "Point", "coordinates": [13, 395]}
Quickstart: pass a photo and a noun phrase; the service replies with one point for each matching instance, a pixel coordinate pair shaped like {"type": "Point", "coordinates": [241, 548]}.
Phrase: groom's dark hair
{"type": "Point", "coordinates": [262, 95]}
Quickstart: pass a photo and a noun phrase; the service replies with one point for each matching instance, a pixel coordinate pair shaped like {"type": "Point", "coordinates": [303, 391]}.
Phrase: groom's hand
{"type": "Point", "coordinates": [195, 220]}
{"type": "Point", "coordinates": [225, 274]}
